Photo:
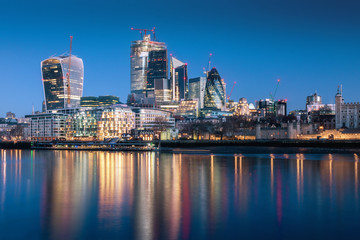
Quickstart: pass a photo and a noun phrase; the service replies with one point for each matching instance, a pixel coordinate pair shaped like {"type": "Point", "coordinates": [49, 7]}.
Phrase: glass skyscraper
{"type": "Point", "coordinates": [54, 77]}
{"type": "Point", "coordinates": [139, 59]}
{"type": "Point", "coordinates": [179, 79]}
{"type": "Point", "coordinates": [214, 97]}
{"type": "Point", "coordinates": [197, 89]}
{"type": "Point", "coordinates": [157, 69]}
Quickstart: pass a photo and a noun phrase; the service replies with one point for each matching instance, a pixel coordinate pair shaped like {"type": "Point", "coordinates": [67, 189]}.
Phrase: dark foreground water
{"type": "Point", "coordinates": [107, 195]}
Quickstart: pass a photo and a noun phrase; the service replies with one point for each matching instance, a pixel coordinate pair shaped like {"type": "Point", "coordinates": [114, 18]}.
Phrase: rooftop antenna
{"type": "Point", "coordinates": [33, 111]}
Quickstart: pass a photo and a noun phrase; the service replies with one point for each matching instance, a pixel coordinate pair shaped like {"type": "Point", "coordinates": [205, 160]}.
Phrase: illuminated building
{"type": "Point", "coordinates": [89, 102]}
{"type": "Point", "coordinates": [347, 115]}
{"type": "Point", "coordinates": [178, 79]}
{"type": "Point", "coordinates": [281, 107]}
{"type": "Point", "coordinates": [242, 108]}
{"type": "Point", "coordinates": [157, 69]}
{"type": "Point", "coordinates": [101, 101]}
{"type": "Point", "coordinates": [197, 89]}
{"type": "Point", "coordinates": [54, 76]}
{"type": "Point", "coordinates": [214, 97]}
{"type": "Point", "coordinates": [47, 126]}
{"type": "Point", "coordinates": [139, 59]}
{"type": "Point", "coordinates": [269, 108]}
{"type": "Point", "coordinates": [83, 124]}
{"type": "Point", "coordinates": [314, 103]}
{"type": "Point", "coordinates": [115, 121]}
{"type": "Point", "coordinates": [162, 91]}
{"type": "Point", "coordinates": [147, 118]}
{"type": "Point", "coordinates": [188, 108]}
{"type": "Point", "coordinates": [108, 100]}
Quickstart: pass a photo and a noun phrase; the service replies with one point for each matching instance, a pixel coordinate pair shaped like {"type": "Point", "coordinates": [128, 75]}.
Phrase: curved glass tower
{"type": "Point", "coordinates": [214, 91]}
{"type": "Point", "coordinates": [139, 60]}
{"type": "Point", "coordinates": [54, 77]}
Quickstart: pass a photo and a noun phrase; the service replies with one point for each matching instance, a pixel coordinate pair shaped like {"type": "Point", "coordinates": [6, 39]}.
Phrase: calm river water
{"type": "Point", "coordinates": [138, 195]}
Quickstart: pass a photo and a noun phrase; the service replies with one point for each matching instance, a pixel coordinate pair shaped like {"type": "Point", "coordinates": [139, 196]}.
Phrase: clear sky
{"type": "Point", "coordinates": [310, 45]}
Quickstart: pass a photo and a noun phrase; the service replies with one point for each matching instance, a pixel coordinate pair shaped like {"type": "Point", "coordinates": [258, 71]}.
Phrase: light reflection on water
{"type": "Point", "coordinates": [80, 194]}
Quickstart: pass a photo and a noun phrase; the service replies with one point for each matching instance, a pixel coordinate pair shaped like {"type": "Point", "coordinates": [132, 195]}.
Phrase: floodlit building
{"type": "Point", "coordinates": [215, 95]}
{"type": "Point", "coordinates": [346, 114]}
{"type": "Point", "coordinates": [54, 72]}
{"type": "Point", "coordinates": [314, 103]}
{"type": "Point", "coordinates": [178, 79]}
{"type": "Point", "coordinates": [139, 60]}
{"type": "Point", "coordinates": [242, 109]}
{"type": "Point", "coordinates": [47, 126]}
{"type": "Point", "coordinates": [197, 89]}
{"type": "Point", "coordinates": [188, 108]}
{"type": "Point", "coordinates": [146, 118]}
{"type": "Point", "coordinates": [162, 91]}
{"type": "Point", "coordinates": [115, 121]}
{"type": "Point", "coordinates": [83, 124]}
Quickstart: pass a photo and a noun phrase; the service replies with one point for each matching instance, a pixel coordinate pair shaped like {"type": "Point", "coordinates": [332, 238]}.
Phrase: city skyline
{"type": "Point", "coordinates": [316, 48]}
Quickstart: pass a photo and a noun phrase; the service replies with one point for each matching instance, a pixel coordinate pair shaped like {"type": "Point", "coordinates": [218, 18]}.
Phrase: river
{"type": "Point", "coordinates": [48, 194]}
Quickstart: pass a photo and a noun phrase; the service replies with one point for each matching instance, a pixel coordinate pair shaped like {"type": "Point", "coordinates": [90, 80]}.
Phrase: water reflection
{"type": "Point", "coordinates": [79, 194]}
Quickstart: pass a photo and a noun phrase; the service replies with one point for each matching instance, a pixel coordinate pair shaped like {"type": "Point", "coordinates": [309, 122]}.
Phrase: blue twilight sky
{"type": "Point", "coordinates": [311, 45]}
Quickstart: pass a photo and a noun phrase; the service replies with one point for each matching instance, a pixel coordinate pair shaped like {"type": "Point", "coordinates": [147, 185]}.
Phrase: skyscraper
{"type": "Point", "coordinates": [179, 79]}
{"type": "Point", "coordinates": [214, 97]}
{"type": "Point", "coordinates": [197, 89]}
{"type": "Point", "coordinates": [139, 57]}
{"type": "Point", "coordinates": [157, 69]}
{"type": "Point", "coordinates": [54, 72]}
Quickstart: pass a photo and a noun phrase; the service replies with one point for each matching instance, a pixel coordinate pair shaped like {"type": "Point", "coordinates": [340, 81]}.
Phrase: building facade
{"type": "Point", "coordinates": [214, 97]}
{"type": "Point", "coordinates": [115, 121]}
{"type": "Point", "coordinates": [139, 59]}
{"type": "Point", "coordinates": [48, 126]}
{"type": "Point", "coordinates": [57, 91]}
{"type": "Point", "coordinates": [197, 89]}
{"type": "Point", "coordinates": [347, 115]}
{"type": "Point", "coordinates": [178, 79]}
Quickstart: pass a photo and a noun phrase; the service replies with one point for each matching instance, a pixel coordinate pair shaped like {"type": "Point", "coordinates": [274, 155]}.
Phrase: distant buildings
{"type": "Point", "coordinates": [54, 72]}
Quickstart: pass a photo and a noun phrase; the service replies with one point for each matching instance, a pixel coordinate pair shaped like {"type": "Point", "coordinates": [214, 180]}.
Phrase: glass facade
{"type": "Point", "coordinates": [157, 68]}
{"type": "Point", "coordinates": [214, 97]}
{"type": "Point", "coordinates": [108, 100]}
{"type": "Point", "coordinates": [54, 76]}
{"type": "Point", "coordinates": [139, 56]}
{"type": "Point", "coordinates": [179, 79]}
{"type": "Point", "coordinates": [89, 102]}
{"type": "Point", "coordinates": [115, 121]}
{"type": "Point", "coordinates": [197, 89]}
{"type": "Point", "coordinates": [83, 124]}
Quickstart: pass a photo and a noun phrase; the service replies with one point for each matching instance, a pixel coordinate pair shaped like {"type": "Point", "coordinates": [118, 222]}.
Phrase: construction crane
{"type": "Point", "coordinates": [206, 70]}
{"type": "Point", "coordinates": [272, 96]}
{"type": "Point", "coordinates": [232, 89]}
{"type": "Point", "coordinates": [141, 30]}
{"type": "Point", "coordinates": [68, 75]}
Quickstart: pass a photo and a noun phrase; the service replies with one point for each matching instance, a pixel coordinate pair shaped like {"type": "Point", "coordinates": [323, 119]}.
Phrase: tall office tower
{"type": "Point", "coordinates": [178, 79]}
{"type": "Point", "coordinates": [197, 89]}
{"type": "Point", "coordinates": [157, 69]}
{"type": "Point", "coordinates": [54, 72]}
{"type": "Point", "coordinates": [214, 97]}
{"type": "Point", "coordinates": [139, 56]}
